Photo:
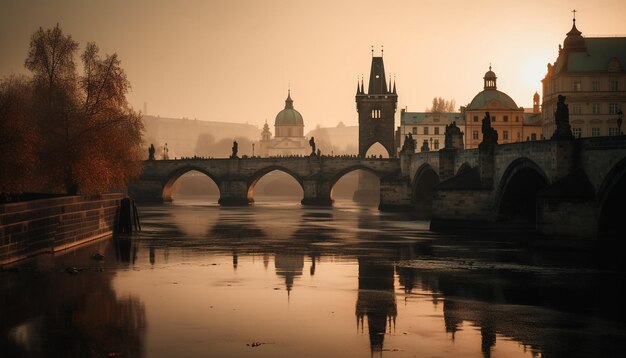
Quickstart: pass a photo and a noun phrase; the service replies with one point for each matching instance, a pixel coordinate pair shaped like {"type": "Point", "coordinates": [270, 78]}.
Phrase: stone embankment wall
{"type": "Point", "coordinates": [48, 225]}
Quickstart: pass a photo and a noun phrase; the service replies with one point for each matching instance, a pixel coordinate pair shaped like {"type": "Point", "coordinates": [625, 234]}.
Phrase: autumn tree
{"type": "Point", "coordinates": [441, 105]}
{"type": "Point", "coordinates": [18, 137]}
{"type": "Point", "coordinates": [92, 136]}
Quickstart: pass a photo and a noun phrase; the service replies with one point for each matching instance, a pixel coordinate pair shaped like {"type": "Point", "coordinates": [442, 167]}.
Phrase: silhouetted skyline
{"type": "Point", "coordinates": [233, 62]}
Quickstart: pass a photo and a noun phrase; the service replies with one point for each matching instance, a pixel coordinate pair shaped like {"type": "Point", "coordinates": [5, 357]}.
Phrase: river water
{"type": "Point", "coordinates": [279, 280]}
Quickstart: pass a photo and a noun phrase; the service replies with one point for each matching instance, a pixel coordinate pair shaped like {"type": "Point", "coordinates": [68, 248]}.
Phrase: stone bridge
{"type": "Point", "coordinates": [236, 178]}
{"type": "Point", "coordinates": [559, 187]}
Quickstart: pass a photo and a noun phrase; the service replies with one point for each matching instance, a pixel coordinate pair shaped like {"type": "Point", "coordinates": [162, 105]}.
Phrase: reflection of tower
{"type": "Point", "coordinates": [376, 110]}
{"type": "Point", "coordinates": [289, 266]}
{"type": "Point", "coordinates": [376, 300]}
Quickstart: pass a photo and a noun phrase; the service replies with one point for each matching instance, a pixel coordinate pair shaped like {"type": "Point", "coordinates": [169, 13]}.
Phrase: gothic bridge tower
{"type": "Point", "coordinates": [376, 110]}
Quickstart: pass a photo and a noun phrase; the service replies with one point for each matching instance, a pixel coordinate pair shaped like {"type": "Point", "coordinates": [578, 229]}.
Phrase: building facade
{"type": "Point", "coordinates": [289, 134]}
{"type": "Point", "coordinates": [590, 73]}
{"type": "Point", "coordinates": [506, 117]}
{"type": "Point", "coordinates": [426, 126]}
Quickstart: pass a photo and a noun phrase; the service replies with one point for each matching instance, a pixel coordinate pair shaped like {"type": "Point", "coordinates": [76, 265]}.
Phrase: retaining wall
{"type": "Point", "coordinates": [48, 225]}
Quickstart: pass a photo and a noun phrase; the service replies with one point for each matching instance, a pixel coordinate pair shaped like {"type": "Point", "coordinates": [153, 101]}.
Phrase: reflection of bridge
{"type": "Point", "coordinates": [236, 178]}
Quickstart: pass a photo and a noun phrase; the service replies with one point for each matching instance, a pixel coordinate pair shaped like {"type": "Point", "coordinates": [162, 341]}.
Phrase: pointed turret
{"type": "Point", "coordinates": [377, 77]}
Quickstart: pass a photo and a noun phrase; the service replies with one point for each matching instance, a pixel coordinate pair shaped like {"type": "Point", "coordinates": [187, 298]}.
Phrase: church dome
{"type": "Point", "coordinates": [289, 116]}
{"type": "Point", "coordinates": [491, 95]}
{"type": "Point", "coordinates": [574, 42]}
{"type": "Point", "coordinates": [490, 75]}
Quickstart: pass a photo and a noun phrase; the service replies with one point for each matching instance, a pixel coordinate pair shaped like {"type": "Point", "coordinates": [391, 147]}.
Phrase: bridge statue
{"type": "Point", "coordinates": [454, 137]}
{"type": "Point", "coordinates": [425, 146]}
{"type": "Point", "coordinates": [151, 151]}
{"type": "Point", "coordinates": [409, 144]}
{"type": "Point", "coordinates": [561, 120]}
{"type": "Point", "coordinates": [312, 144]}
{"type": "Point", "coordinates": [235, 150]}
{"type": "Point", "coordinates": [490, 135]}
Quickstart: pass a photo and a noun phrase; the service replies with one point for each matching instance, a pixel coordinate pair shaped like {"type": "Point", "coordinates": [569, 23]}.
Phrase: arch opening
{"type": "Point", "coordinates": [518, 198]}
{"type": "Point", "coordinates": [610, 225]}
{"type": "Point", "coordinates": [356, 186]}
{"type": "Point", "coordinates": [377, 150]}
{"type": "Point", "coordinates": [275, 185]}
{"type": "Point", "coordinates": [423, 191]}
{"type": "Point", "coordinates": [191, 186]}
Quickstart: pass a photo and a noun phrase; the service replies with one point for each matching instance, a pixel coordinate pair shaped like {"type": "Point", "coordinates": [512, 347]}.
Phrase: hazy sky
{"type": "Point", "coordinates": [234, 60]}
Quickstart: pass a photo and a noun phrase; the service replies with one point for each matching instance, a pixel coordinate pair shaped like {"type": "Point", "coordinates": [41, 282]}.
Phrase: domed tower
{"type": "Point", "coordinates": [264, 143]}
{"type": "Point", "coordinates": [490, 80]}
{"type": "Point", "coordinates": [288, 132]}
{"type": "Point", "coordinates": [506, 117]}
{"type": "Point", "coordinates": [574, 41]}
{"type": "Point", "coordinates": [289, 122]}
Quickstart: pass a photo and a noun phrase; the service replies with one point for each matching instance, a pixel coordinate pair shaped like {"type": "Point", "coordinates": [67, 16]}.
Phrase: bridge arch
{"type": "Point", "coordinates": [339, 175]}
{"type": "Point", "coordinates": [422, 190]}
{"type": "Point", "coordinates": [611, 198]}
{"type": "Point", "coordinates": [517, 191]}
{"type": "Point", "coordinates": [254, 179]}
{"type": "Point", "coordinates": [171, 178]}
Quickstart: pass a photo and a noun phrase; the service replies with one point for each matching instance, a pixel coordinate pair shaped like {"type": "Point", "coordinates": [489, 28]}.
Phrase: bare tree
{"type": "Point", "coordinates": [441, 105]}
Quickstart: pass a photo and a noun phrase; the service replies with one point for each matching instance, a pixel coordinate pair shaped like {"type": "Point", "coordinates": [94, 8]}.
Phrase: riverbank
{"type": "Point", "coordinates": [32, 227]}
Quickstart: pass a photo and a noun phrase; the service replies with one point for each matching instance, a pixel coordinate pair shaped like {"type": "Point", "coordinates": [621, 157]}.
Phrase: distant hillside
{"type": "Point", "coordinates": [189, 137]}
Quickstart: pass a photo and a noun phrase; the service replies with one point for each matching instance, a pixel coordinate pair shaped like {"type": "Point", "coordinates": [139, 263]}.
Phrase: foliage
{"type": "Point", "coordinates": [91, 138]}
{"type": "Point", "coordinates": [18, 159]}
{"type": "Point", "coordinates": [441, 105]}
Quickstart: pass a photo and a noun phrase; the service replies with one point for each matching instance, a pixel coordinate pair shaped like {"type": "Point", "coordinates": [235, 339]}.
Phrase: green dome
{"type": "Point", "coordinates": [482, 98]}
{"type": "Point", "coordinates": [289, 116]}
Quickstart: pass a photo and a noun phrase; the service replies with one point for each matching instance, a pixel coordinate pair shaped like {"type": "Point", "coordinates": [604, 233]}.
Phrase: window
{"type": "Point", "coordinates": [577, 108]}
{"type": "Point", "coordinates": [425, 130]}
{"type": "Point", "coordinates": [614, 85]}
{"type": "Point", "coordinates": [475, 119]}
{"type": "Point", "coordinates": [505, 118]}
{"type": "Point", "coordinates": [436, 143]}
{"type": "Point", "coordinates": [612, 131]}
{"type": "Point", "coordinates": [475, 135]}
{"type": "Point", "coordinates": [516, 118]}
{"type": "Point", "coordinates": [613, 108]}
{"type": "Point", "coordinates": [533, 136]}
{"type": "Point", "coordinates": [493, 118]}
{"type": "Point", "coordinates": [414, 130]}
{"type": "Point", "coordinates": [436, 130]}
{"type": "Point", "coordinates": [595, 108]}
{"type": "Point", "coordinates": [595, 85]}
{"type": "Point", "coordinates": [595, 132]}
{"type": "Point", "coordinates": [576, 86]}
{"type": "Point", "coordinates": [505, 135]}
{"type": "Point", "coordinates": [577, 132]}
{"type": "Point", "coordinates": [375, 113]}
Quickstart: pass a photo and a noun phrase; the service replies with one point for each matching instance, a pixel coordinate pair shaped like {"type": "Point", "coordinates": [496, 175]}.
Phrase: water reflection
{"type": "Point", "coordinates": [56, 311]}
{"type": "Point", "coordinates": [203, 279]}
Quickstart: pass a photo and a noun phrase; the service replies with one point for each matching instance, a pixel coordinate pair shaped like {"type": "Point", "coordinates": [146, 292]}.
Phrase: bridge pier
{"type": "Point", "coordinates": [395, 193]}
{"type": "Point", "coordinates": [234, 192]}
{"type": "Point", "coordinates": [316, 192]}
